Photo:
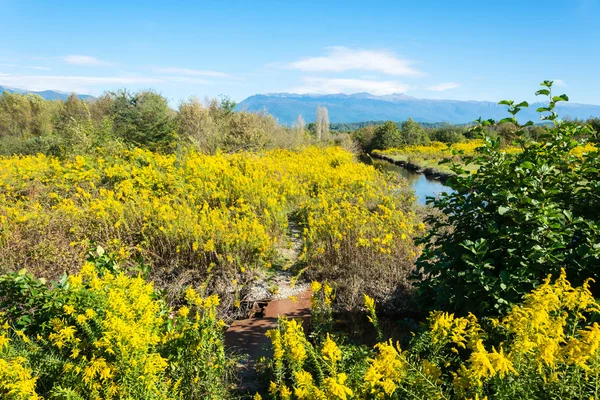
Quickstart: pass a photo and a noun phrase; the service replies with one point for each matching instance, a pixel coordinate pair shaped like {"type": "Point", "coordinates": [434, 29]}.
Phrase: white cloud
{"type": "Point", "coordinates": [443, 86]}
{"type": "Point", "coordinates": [27, 66]}
{"type": "Point", "coordinates": [332, 86]}
{"type": "Point", "coordinates": [560, 83]}
{"type": "Point", "coordinates": [340, 59]}
{"type": "Point", "coordinates": [190, 72]}
{"type": "Point", "coordinates": [85, 60]}
{"type": "Point", "coordinates": [72, 83]}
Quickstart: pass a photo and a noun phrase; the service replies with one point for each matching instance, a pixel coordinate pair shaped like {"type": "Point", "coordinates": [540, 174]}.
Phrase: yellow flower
{"type": "Point", "coordinates": [369, 303]}
{"type": "Point", "coordinates": [275, 337]}
{"type": "Point", "coordinates": [70, 310]}
{"type": "Point", "coordinates": [315, 286]}
{"type": "Point", "coordinates": [330, 351]}
{"type": "Point", "coordinates": [386, 369]}
{"type": "Point", "coordinates": [4, 341]}
{"type": "Point", "coordinates": [184, 311]}
{"type": "Point", "coordinates": [335, 388]}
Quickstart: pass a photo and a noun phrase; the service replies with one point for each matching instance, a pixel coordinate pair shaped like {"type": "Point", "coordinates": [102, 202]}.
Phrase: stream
{"type": "Point", "coordinates": [421, 184]}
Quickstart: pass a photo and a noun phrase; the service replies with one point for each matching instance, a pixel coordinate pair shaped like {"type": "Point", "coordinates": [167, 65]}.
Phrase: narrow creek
{"type": "Point", "coordinates": [422, 185]}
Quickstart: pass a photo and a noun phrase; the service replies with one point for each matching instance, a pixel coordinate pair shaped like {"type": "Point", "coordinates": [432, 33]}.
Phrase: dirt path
{"type": "Point", "coordinates": [248, 336]}
{"type": "Point", "coordinates": [272, 297]}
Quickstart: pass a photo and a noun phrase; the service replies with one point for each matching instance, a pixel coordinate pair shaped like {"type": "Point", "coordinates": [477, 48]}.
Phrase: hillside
{"type": "Point", "coordinates": [46, 94]}
{"type": "Point", "coordinates": [397, 107]}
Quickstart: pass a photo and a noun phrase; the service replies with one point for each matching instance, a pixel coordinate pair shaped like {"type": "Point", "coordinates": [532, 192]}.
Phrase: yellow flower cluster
{"type": "Point", "coordinates": [211, 213]}
{"type": "Point", "coordinates": [113, 338]}
{"type": "Point", "coordinates": [542, 326]}
{"type": "Point", "coordinates": [16, 380]}
{"type": "Point", "coordinates": [385, 370]}
{"type": "Point", "coordinates": [438, 151]}
{"type": "Point", "coordinates": [548, 340]}
{"type": "Point", "coordinates": [291, 348]}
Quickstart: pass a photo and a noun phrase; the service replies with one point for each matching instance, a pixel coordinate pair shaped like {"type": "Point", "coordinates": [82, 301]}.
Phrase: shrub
{"type": "Point", "coordinates": [545, 347]}
{"type": "Point", "coordinates": [216, 127]}
{"type": "Point", "coordinates": [100, 334]}
{"type": "Point", "coordinates": [522, 215]}
{"type": "Point", "coordinates": [447, 134]}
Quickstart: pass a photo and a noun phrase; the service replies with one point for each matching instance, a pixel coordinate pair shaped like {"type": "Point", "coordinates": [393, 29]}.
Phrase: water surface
{"type": "Point", "coordinates": [422, 185]}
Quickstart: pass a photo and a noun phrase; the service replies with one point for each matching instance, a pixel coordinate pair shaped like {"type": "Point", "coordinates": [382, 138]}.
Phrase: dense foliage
{"type": "Point", "coordinates": [99, 334]}
{"type": "Point", "coordinates": [545, 347]}
{"type": "Point", "coordinates": [388, 135]}
{"type": "Point", "coordinates": [523, 215]}
{"type": "Point", "coordinates": [211, 220]}
{"type": "Point", "coordinates": [30, 125]}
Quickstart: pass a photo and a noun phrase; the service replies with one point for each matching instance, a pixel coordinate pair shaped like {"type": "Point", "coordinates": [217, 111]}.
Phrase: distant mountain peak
{"type": "Point", "coordinates": [46, 94]}
{"type": "Point", "coordinates": [361, 95]}
{"type": "Point", "coordinates": [359, 107]}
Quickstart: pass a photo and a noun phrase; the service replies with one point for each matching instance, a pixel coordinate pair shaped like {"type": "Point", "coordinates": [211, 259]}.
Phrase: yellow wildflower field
{"type": "Point", "coordinates": [215, 217]}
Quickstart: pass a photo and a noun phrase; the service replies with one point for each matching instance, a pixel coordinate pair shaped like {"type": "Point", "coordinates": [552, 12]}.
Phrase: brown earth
{"type": "Point", "coordinates": [248, 336]}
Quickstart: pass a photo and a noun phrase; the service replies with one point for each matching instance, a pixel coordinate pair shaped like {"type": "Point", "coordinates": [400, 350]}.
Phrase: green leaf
{"type": "Point", "coordinates": [562, 97]}
{"type": "Point", "coordinates": [544, 92]}
{"type": "Point", "coordinates": [523, 104]}
{"type": "Point", "coordinates": [503, 210]}
{"type": "Point", "coordinates": [527, 165]}
{"type": "Point", "coordinates": [506, 102]}
{"type": "Point", "coordinates": [505, 120]}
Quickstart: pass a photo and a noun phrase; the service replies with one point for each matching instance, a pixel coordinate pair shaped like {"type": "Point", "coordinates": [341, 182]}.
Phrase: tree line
{"type": "Point", "coordinates": [30, 124]}
{"type": "Point", "coordinates": [389, 134]}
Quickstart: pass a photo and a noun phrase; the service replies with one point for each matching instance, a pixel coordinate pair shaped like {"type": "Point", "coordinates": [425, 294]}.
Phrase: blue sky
{"type": "Point", "coordinates": [466, 50]}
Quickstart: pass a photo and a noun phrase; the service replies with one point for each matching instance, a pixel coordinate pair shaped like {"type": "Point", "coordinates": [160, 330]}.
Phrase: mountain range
{"type": "Point", "coordinates": [359, 107]}
{"type": "Point", "coordinates": [344, 108]}
{"type": "Point", "coordinates": [46, 94]}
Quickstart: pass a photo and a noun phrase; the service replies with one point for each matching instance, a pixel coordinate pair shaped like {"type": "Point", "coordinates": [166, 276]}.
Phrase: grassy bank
{"type": "Point", "coordinates": [435, 159]}
{"type": "Point", "coordinates": [430, 156]}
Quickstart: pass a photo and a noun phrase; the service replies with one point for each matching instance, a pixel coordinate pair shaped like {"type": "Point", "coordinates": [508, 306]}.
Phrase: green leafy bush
{"type": "Point", "coordinates": [103, 334]}
{"type": "Point", "coordinates": [521, 216]}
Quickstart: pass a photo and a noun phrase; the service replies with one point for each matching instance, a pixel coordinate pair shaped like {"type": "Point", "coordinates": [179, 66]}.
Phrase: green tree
{"type": "Point", "coordinates": [24, 115]}
{"type": "Point", "coordinates": [413, 133]}
{"type": "Point", "coordinates": [73, 111]}
{"type": "Point", "coordinates": [144, 119]}
{"type": "Point", "coordinates": [520, 217]}
{"type": "Point", "coordinates": [365, 137]}
{"type": "Point", "coordinates": [198, 125]}
{"type": "Point", "coordinates": [101, 108]}
{"type": "Point", "coordinates": [447, 133]}
{"type": "Point", "coordinates": [387, 136]}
